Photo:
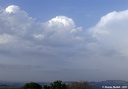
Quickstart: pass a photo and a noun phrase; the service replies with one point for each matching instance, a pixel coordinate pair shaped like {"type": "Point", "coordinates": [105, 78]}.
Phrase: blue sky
{"type": "Point", "coordinates": [85, 12]}
{"type": "Point", "coordinates": [69, 40]}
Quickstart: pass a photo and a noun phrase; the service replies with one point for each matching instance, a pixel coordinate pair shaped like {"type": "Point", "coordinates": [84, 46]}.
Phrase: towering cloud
{"type": "Point", "coordinates": [111, 31]}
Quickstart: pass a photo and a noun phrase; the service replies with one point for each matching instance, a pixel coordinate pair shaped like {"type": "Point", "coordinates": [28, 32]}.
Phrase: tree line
{"type": "Point", "coordinates": [58, 85]}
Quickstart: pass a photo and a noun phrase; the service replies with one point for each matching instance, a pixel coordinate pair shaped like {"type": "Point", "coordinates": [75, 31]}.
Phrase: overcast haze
{"type": "Point", "coordinates": [66, 40]}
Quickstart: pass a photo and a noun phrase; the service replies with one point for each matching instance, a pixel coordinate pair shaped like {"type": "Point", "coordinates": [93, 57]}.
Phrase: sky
{"type": "Point", "coordinates": [48, 40]}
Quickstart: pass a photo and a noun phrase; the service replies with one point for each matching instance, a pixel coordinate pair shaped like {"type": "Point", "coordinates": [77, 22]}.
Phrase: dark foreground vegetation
{"type": "Point", "coordinates": [58, 85]}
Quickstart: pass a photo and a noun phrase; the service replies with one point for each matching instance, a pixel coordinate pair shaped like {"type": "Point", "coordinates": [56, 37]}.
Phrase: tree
{"type": "Point", "coordinates": [32, 85]}
{"type": "Point", "coordinates": [56, 85]}
{"type": "Point", "coordinates": [46, 87]}
{"type": "Point", "coordinates": [79, 85]}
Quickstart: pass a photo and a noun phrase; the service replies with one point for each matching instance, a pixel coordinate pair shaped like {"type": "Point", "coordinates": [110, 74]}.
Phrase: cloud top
{"type": "Point", "coordinates": [61, 22]}
{"type": "Point", "coordinates": [12, 9]}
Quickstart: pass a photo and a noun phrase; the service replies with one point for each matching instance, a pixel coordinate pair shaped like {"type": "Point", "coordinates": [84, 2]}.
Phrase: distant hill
{"type": "Point", "coordinates": [110, 83]}
{"type": "Point", "coordinates": [10, 85]}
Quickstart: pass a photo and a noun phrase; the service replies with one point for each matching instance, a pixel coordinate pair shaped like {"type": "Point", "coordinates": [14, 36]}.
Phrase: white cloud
{"type": "Point", "coordinates": [12, 9]}
{"type": "Point", "coordinates": [61, 31]}
{"type": "Point", "coordinates": [61, 22]}
{"type": "Point", "coordinates": [112, 31]}
{"type": "Point", "coordinates": [15, 21]}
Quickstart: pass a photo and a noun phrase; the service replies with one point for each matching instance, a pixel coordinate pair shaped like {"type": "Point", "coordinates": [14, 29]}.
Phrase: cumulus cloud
{"type": "Point", "coordinates": [62, 31]}
{"type": "Point", "coordinates": [59, 46]}
{"type": "Point", "coordinates": [111, 31]}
